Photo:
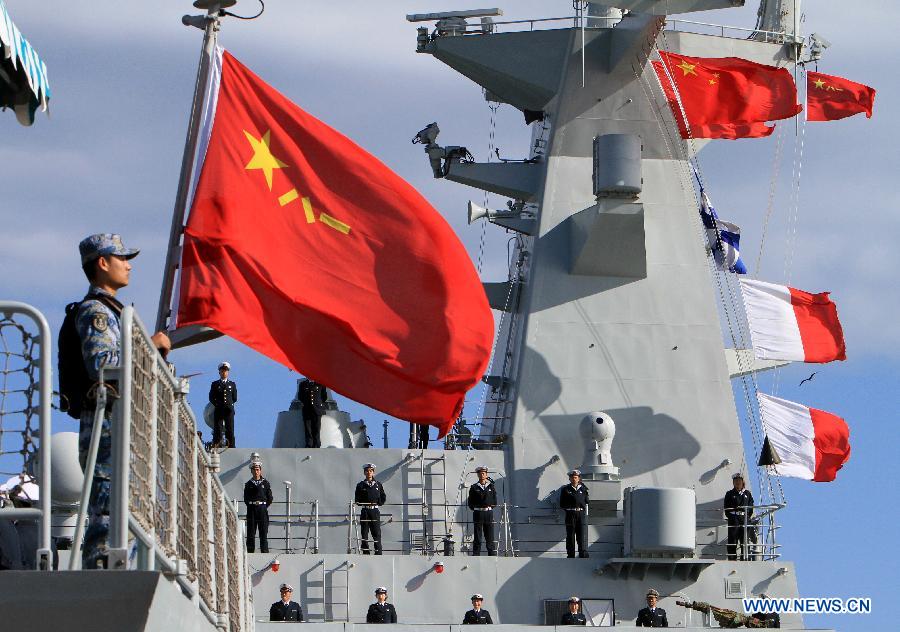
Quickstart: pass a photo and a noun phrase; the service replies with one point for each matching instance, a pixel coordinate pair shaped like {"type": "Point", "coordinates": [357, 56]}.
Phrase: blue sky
{"type": "Point", "coordinates": [107, 159]}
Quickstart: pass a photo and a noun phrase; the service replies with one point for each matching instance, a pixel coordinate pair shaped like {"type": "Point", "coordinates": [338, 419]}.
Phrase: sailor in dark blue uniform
{"type": "Point", "coordinates": [286, 610]}
{"type": "Point", "coordinates": [574, 616]}
{"type": "Point", "coordinates": [477, 615]}
{"type": "Point", "coordinates": [370, 496]}
{"type": "Point", "coordinates": [573, 499]}
{"type": "Point", "coordinates": [482, 500]}
{"type": "Point", "coordinates": [381, 611]}
{"type": "Point", "coordinates": [651, 616]}
{"type": "Point", "coordinates": [223, 397]}
{"type": "Point", "coordinates": [313, 397]}
{"type": "Point", "coordinates": [739, 513]}
{"type": "Point", "coordinates": [257, 497]}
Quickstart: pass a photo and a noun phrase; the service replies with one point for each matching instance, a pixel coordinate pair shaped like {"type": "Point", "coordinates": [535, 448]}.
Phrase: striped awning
{"type": "Point", "coordinates": [23, 76]}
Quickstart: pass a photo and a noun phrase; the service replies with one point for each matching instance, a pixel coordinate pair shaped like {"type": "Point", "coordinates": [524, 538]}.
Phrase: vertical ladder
{"type": "Point", "coordinates": [337, 591]}
{"type": "Point", "coordinates": [428, 474]}
{"type": "Point", "coordinates": [315, 601]}
{"type": "Point", "coordinates": [416, 505]}
{"type": "Point", "coordinates": [434, 469]}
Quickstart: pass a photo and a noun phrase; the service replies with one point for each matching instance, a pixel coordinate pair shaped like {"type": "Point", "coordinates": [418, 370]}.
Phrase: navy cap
{"type": "Point", "coordinates": [574, 472]}
{"type": "Point", "coordinates": [381, 590]}
{"type": "Point", "coordinates": [367, 466]}
{"type": "Point", "coordinates": [103, 245]}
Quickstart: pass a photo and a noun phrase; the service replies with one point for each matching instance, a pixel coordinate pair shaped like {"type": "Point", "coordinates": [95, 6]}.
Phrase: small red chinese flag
{"type": "Point", "coordinates": [725, 97]}
{"type": "Point", "coordinates": [305, 247]}
{"type": "Point", "coordinates": [829, 98]}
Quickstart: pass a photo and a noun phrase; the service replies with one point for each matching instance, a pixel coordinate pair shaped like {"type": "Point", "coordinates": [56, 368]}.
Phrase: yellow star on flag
{"type": "Point", "coordinates": [819, 83]}
{"type": "Point", "coordinates": [262, 156]}
{"type": "Point", "coordinates": [686, 68]}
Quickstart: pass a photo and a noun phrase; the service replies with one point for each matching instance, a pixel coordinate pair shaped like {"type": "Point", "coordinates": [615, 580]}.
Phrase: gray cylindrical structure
{"type": "Point", "coordinates": [602, 15]}
{"type": "Point", "coordinates": [617, 166]}
{"type": "Point", "coordinates": [66, 476]}
{"type": "Point", "coordinates": [661, 520]}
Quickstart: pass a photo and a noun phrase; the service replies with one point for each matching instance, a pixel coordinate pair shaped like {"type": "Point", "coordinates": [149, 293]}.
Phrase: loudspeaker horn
{"type": "Point", "coordinates": [476, 212]}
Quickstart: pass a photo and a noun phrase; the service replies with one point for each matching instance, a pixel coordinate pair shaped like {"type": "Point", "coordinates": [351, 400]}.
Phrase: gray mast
{"type": "Point", "coordinates": [210, 25]}
{"type": "Point", "coordinates": [617, 312]}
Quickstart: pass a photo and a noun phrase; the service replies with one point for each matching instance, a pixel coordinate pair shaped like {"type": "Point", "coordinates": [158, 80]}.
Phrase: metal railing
{"type": "Point", "coordinates": [426, 535]}
{"type": "Point", "coordinates": [172, 506]}
{"type": "Point", "coordinates": [593, 23]}
{"type": "Point", "coordinates": [42, 386]}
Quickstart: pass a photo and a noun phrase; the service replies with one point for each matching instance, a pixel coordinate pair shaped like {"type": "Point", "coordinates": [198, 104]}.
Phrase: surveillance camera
{"type": "Point", "coordinates": [428, 135]}
{"type": "Point", "coordinates": [819, 41]}
{"type": "Point", "coordinates": [602, 426]}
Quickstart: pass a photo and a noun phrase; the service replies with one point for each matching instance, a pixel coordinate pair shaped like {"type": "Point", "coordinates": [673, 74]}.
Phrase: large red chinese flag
{"type": "Point", "coordinates": [829, 98]}
{"type": "Point", "coordinates": [305, 247]}
{"type": "Point", "coordinates": [725, 97]}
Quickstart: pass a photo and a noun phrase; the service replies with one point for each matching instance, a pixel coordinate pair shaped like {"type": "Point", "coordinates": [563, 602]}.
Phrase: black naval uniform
{"type": "Point", "coordinates": [480, 617]}
{"type": "Point", "coordinates": [655, 618]}
{"type": "Point", "coordinates": [257, 497]}
{"type": "Point", "coordinates": [575, 503]}
{"type": "Point", "coordinates": [575, 618]}
{"type": "Point", "coordinates": [223, 395]}
{"type": "Point", "coordinates": [285, 612]}
{"type": "Point", "coordinates": [370, 496]}
{"type": "Point", "coordinates": [313, 396]}
{"type": "Point", "coordinates": [738, 508]}
{"type": "Point", "coordinates": [482, 500]}
{"type": "Point", "coordinates": [381, 613]}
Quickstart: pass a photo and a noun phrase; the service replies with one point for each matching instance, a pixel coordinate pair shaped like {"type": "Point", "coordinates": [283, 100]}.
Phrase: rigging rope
{"type": "Point", "coordinates": [727, 286]}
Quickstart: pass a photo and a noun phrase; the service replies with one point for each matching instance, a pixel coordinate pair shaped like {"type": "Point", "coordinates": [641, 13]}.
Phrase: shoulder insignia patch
{"type": "Point", "coordinates": [100, 322]}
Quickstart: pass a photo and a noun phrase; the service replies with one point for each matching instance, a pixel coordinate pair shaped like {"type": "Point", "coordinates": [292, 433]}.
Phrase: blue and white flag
{"type": "Point", "coordinates": [723, 237]}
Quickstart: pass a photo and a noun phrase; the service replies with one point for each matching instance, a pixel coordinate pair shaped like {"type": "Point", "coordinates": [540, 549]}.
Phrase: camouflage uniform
{"type": "Point", "coordinates": [98, 329]}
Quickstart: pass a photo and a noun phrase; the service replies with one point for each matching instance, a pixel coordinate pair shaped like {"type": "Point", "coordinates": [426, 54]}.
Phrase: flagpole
{"type": "Point", "coordinates": [173, 254]}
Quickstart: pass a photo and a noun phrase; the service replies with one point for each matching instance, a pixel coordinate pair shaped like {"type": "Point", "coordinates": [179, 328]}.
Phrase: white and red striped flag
{"type": "Point", "coordinates": [790, 324]}
{"type": "Point", "coordinates": [811, 443]}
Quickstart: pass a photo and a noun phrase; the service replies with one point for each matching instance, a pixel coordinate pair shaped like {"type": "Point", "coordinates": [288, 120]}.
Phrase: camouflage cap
{"type": "Point", "coordinates": [103, 245]}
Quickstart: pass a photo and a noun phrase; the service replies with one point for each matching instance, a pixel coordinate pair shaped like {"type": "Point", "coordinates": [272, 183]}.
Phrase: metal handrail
{"type": "Point", "coordinates": [179, 472]}
{"type": "Point", "coordinates": [45, 391]}
{"type": "Point", "coordinates": [458, 518]}
{"type": "Point", "coordinates": [477, 29]}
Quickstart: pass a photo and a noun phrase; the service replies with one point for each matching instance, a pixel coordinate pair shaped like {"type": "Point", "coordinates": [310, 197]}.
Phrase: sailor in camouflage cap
{"type": "Point", "coordinates": [105, 261]}
{"type": "Point", "coordinates": [104, 245]}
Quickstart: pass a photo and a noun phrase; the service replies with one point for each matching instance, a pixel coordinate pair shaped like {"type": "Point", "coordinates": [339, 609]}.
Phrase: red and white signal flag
{"type": "Point", "coordinates": [811, 443]}
{"type": "Point", "coordinates": [790, 324]}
